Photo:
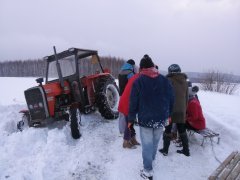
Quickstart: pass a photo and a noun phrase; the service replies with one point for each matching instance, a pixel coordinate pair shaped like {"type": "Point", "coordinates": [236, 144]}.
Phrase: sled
{"type": "Point", "coordinates": [206, 133]}
{"type": "Point", "coordinates": [228, 169]}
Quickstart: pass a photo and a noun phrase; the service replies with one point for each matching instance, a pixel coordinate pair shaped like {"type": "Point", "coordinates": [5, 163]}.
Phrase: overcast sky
{"type": "Point", "coordinates": [196, 34]}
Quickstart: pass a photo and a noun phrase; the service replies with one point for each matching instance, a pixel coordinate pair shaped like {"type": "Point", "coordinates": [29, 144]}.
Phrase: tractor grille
{"type": "Point", "coordinates": [36, 102]}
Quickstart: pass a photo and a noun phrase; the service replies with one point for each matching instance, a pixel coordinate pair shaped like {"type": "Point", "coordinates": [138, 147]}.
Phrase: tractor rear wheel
{"type": "Point", "coordinates": [75, 118]}
{"type": "Point", "coordinates": [107, 98]}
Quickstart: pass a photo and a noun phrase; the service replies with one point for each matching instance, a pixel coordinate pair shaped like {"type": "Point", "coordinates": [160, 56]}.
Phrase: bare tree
{"type": "Point", "coordinates": [219, 82]}
{"type": "Point", "coordinates": [207, 83]}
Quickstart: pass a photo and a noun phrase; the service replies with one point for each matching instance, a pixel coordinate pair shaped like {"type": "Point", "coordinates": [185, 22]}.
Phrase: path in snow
{"type": "Point", "coordinates": [51, 153]}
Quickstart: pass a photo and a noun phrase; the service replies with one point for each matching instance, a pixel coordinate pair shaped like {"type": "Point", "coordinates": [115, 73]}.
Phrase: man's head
{"type": "Point", "coordinates": [174, 68]}
{"type": "Point", "coordinates": [131, 61]}
{"type": "Point", "coordinates": [146, 62]}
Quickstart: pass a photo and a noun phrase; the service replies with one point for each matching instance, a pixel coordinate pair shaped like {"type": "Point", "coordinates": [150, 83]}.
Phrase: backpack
{"type": "Point", "coordinates": [122, 82]}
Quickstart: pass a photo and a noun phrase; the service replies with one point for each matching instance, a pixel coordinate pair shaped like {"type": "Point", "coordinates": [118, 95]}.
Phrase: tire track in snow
{"type": "Point", "coordinates": [98, 137]}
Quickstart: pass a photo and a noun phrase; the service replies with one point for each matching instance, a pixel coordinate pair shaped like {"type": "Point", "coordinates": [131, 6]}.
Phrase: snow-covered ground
{"type": "Point", "coordinates": [51, 153]}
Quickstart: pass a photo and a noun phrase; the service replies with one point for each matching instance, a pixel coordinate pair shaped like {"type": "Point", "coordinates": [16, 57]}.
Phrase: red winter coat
{"type": "Point", "coordinates": [194, 114]}
{"type": "Point", "coordinates": [123, 106]}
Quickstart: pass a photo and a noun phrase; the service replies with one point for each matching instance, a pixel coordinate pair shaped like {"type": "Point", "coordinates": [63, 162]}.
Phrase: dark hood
{"type": "Point", "coordinates": [177, 77]}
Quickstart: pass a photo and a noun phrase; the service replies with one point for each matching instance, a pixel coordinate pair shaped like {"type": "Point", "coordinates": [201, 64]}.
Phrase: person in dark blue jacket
{"type": "Point", "coordinates": [152, 100]}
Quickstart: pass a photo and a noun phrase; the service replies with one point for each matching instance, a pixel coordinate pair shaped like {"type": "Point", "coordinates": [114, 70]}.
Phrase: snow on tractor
{"type": "Point", "coordinates": [68, 92]}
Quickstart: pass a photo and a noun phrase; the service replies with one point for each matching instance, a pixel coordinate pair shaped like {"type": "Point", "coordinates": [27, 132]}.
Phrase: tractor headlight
{"type": "Point", "coordinates": [40, 105]}
{"type": "Point", "coordinates": [30, 106]}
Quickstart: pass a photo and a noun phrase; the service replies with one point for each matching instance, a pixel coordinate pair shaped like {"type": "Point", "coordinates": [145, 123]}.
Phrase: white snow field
{"type": "Point", "coordinates": [51, 153]}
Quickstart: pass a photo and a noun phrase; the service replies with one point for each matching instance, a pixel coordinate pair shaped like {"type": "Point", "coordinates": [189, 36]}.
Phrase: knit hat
{"type": "Point", "coordinates": [146, 62]}
{"type": "Point", "coordinates": [174, 68]}
{"type": "Point", "coordinates": [131, 61]}
{"type": "Point", "coordinates": [193, 91]}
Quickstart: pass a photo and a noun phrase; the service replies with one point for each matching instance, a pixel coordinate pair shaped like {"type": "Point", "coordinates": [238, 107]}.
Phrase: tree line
{"type": "Point", "coordinates": [37, 67]}
{"type": "Point", "coordinates": [210, 81]}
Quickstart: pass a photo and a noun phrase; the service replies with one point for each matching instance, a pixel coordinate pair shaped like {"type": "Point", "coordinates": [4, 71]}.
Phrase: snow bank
{"type": "Point", "coordinates": [51, 153]}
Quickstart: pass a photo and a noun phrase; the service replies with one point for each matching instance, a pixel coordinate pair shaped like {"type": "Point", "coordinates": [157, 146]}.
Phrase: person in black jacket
{"type": "Point", "coordinates": [178, 116]}
{"type": "Point", "coordinates": [127, 71]}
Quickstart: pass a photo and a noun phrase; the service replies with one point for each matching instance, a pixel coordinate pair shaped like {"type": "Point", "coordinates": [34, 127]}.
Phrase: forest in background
{"type": "Point", "coordinates": [37, 67]}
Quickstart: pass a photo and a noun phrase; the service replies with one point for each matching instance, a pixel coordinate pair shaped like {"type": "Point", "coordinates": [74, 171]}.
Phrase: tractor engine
{"type": "Point", "coordinates": [61, 107]}
{"type": "Point", "coordinates": [47, 101]}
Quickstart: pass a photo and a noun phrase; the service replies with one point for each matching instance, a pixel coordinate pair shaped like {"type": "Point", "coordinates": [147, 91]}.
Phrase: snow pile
{"type": "Point", "coordinates": [51, 153]}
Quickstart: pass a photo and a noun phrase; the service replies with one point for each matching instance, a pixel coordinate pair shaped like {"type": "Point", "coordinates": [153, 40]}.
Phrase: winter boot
{"type": "Point", "coordinates": [166, 144]}
{"type": "Point", "coordinates": [128, 144]}
{"type": "Point", "coordinates": [185, 149]}
{"type": "Point", "coordinates": [134, 141]}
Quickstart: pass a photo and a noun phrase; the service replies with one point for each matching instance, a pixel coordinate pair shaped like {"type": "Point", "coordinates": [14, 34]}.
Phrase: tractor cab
{"type": "Point", "coordinates": [71, 63]}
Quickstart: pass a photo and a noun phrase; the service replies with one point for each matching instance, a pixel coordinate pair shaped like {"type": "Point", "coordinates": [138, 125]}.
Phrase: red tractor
{"type": "Point", "coordinates": [68, 92]}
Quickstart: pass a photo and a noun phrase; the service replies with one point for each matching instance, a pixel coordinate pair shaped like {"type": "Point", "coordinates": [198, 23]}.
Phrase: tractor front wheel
{"type": "Point", "coordinates": [75, 118]}
{"type": "Point", "coordinates": [25, 122]}
{"type": "Point", "coordinates": [107, 98]}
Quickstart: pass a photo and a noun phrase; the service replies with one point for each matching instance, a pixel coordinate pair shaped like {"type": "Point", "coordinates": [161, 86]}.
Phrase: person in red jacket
{"type": "Point", "coordinates": [129, 138]}
{"type": "Point", "coordinates": [195, 119]}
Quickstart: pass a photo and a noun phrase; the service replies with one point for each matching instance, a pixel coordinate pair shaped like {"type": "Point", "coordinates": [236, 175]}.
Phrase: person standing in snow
{"type": "Point", "coordinates": [151, 99]}
{"type": "Point", "coordinates": [126, 72]}
{"type": "Point", "coordinates": [195, 119]}
{"type": "Point", "coordinates": [175, 137]}
{"type": "Point", "coordinates": [178, 116]}
{"type": "Point", "coordinates": [129, 138]}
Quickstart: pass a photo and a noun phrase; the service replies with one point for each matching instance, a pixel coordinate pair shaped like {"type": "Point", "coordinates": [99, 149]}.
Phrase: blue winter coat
{"type": "Point", "coordinates": [127, 71]}
{"type": "Point", "coordinates": [152, 100]}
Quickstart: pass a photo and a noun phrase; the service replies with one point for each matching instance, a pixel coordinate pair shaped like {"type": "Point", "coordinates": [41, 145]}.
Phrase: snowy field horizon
{"type": "Point", "coordinates": [51, 153]}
